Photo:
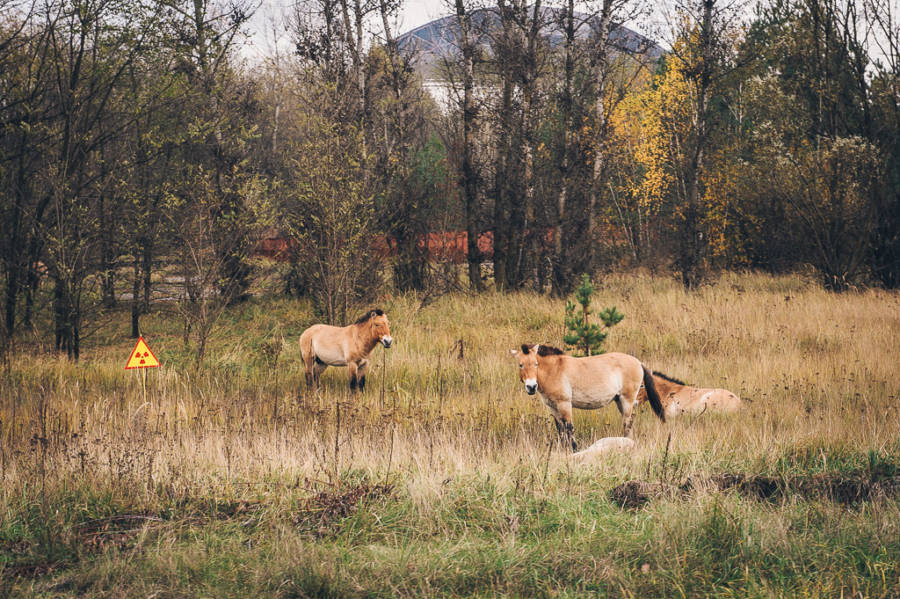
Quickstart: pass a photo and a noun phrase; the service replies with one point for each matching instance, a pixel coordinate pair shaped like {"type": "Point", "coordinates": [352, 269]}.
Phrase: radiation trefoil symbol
{"type": "Point", "coordinates": [141, 356]}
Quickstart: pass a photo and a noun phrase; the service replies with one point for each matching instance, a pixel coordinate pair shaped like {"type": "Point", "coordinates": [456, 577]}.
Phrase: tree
{"type": "Point", "coordinates": [817, 141]}
{"type": "Point", "coordinates": [704, 52]}
{"type": "Point", "coordinates": [463, 143]}
{"type": "Point", "coordinates": [91, 46]}
{"type": "Point", "coordinates": [196, 212]}
{"type": "Point", "coordinates": [25, 63]}
{"type": "Point", "coordinates": [883, 18]}
{"type": "Point", "coordinates": [517, 65]}
{"type": "Point", "coordinates": [582, 334]}
{"type": "Point", "coordinates": [332, 221]}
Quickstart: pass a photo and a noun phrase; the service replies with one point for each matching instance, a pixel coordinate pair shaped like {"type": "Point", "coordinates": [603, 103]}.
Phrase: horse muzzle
{"type": "Point", "coordinates": [387, 340]}
{"type": "Point", "coordinates": [530, 387]}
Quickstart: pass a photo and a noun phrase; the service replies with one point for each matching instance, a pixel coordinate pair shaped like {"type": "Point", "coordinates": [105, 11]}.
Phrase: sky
{"type": "Point", "coordinates": [268, 22]}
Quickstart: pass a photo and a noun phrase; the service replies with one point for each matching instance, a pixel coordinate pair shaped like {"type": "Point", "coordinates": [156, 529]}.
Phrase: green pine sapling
{"type": "Point", "coordinates": [581, 334]}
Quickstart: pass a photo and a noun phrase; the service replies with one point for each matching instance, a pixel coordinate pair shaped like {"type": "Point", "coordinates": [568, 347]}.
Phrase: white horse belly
{"type": "Point", "coordinates": [333, 356]}
{"type": "Point", "coordinates": [592, 396]}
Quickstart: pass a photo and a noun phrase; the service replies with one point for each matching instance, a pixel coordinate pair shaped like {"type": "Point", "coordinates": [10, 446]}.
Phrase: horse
{"type": "Point", "coordinates": [564, 382]}
{"type": "Point", "coordinates": [679, 398]}
{"type": "Point", "coordinates": [604, 446]}
{"type": "Point", "coordinates": [323, 345]}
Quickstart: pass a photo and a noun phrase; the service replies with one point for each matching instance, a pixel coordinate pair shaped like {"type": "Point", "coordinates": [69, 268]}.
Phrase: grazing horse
{"type": "Point", "coordinates": [323, 345]}
{"type": "Point", "coordinates": [678, 398]}
{"type": "Point", "coordinates": [565, 382]}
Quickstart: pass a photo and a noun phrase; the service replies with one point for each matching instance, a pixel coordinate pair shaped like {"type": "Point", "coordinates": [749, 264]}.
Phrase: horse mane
{"type": "Point", "coordinates": [671, 379]}
{"type": "Point", "coordinates": [543, 350]}
{"type": "Point", "coordinates": [365, 317]}
{"type": "Point", "coordinates": [549, 350]}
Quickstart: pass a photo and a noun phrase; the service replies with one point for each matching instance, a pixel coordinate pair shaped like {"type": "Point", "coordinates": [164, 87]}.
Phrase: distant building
{"type": "Point", "coordinates": [438, 40]}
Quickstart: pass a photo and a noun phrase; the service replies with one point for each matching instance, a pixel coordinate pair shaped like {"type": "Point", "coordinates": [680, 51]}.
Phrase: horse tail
{"type": "Point", "coordinates": [306, 350]}
{"type": "Point", "coordinates": [652, 394]}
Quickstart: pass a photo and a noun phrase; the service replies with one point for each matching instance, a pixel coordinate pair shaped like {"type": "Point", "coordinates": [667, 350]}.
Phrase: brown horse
{"type": "Point", "coordinates": [565, 382]}
{"type": "Point", "coordinates": [678, 398]}
{"type": "Point", "coordinates": [323, 345]}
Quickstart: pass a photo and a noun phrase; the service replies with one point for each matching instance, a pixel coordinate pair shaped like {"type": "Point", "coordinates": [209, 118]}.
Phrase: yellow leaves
{"type": "Point", "coordinates": [651, 123]}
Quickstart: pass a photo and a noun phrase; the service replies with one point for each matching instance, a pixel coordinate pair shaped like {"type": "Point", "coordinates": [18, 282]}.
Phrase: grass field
{"type": "Point", "coordinates": [441, 479]}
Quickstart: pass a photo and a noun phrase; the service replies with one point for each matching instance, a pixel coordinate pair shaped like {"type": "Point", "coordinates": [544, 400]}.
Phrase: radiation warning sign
{"type": "Point", "coordinates": [141, 356]}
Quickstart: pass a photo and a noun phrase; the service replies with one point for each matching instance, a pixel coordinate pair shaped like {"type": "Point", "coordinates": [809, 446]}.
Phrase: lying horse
{"type": "Point", "coordinates": [565, 382]}
{"type": "Point", "coordinates": [678, 398]}
{"type": "Point", "coordinates": [323, 345]}
{"type": "Point", "coordinates": [603, 446]}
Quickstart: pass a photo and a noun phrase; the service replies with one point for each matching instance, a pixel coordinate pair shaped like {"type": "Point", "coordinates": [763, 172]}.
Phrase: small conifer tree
{"type": "Point", "coordinates": [584, 336]}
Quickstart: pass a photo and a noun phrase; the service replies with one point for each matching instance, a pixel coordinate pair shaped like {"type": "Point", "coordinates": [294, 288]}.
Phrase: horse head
{"type": "Point", "coordinates": [379, 327]}
{"type": "Point", "coordinates": [527, 356]}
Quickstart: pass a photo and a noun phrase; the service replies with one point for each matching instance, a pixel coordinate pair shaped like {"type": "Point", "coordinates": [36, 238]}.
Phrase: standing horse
{"type": "Point", "coordinates": [588, 383]}
{"type": "Point", "coordinates": [323, 345]}
{"type": "Point", "coordinates": [678, 398]}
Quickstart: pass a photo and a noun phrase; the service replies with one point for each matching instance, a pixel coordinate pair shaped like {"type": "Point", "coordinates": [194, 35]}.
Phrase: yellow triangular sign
{"type": "Point", "coordinates": [141, 356]}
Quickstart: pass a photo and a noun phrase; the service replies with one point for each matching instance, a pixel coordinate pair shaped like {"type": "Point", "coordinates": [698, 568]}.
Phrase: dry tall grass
{"type": "Point", "coordinates": [818, 371]}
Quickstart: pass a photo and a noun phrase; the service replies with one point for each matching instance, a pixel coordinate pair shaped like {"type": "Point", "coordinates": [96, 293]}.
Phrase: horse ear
{"type": "Point", "coordinates": [513, 352]}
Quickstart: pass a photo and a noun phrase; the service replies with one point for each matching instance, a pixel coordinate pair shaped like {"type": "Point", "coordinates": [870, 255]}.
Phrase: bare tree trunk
{"type": "Point", "coordinates": [146, 271]}
{"type": "Point", "coordinates": [135, 297]}
{"type": "Point", "coordinates": [107, 257]}
{"type": "Point", "coordinates": [353, 35]}
{"type": "Point", "coordinates": [600, 123]}
{"type": "Point", "coordinates": [468, 172]}
{"type": "Point", "coordinates": [560, 278]}
{"type": "Point", "coordinates": [502, 176]}
{"type": "Point", "coordinates": [523, 241]}
{"type": "Point", "coordinates": [691, 241]}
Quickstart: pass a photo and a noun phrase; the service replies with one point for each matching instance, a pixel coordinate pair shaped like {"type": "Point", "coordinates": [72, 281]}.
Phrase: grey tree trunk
{"type": "Point", "coordinates": [468, 171]}
{"type": "Point", "coordinates": [600, 123]}
{"type": "Point", "coordinates": [691, 238]}
{"type": "Point", "coordinates": [560, 277]}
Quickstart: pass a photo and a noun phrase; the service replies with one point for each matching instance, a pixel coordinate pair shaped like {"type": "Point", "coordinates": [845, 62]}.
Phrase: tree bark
{"type": "Point", "coordinates": [561, 279]}
{"type": "Point", "coordinates": [692, 238]}
{"type": "Point", "coordinates": [600, 133]}
{"type": "Point", "coordinates": [468, 171]}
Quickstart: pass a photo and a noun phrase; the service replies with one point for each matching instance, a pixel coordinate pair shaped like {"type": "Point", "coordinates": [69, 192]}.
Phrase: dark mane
{"type": "Point", "coordinates": [668, 378]}
{"type": "Point", "coordinates": [365, 317]}
{"type": "Point", "coordinates": [549, 350]}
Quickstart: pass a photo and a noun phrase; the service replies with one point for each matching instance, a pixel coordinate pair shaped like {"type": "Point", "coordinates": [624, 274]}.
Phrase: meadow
{"type": "Point", "coordinates": [443, 478]}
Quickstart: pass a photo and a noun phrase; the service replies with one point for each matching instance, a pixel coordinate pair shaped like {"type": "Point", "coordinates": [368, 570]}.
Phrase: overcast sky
{"type": "Point", "coordinates": [269, 21]}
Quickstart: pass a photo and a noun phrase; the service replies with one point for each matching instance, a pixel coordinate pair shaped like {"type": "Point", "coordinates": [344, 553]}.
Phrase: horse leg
{"type": "Point", "coordinates": [317, 370]}
{"type": "Point", "coordinates": [627, 401]}
{"type": "Point", "coordinates": [361, 373]}
{"type": "Point", "coordinates": [628, 419]}
{"type": "Point", "coordinates": [351, 366]}
{"type": "Point", "coordinates": [626, 409]}
{"type": "Point", "coordinates": [560, 427]}
{"type": "Point", "coordinates": [565, 413]}
{"type": "Point", "coordinates": [312, 379]}
{"type": "Point", "coordinates": [557, 419]}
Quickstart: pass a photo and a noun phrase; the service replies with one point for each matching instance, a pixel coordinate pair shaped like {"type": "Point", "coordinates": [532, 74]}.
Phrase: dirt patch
{"type": "Point", "coordinates": [31, 570]}
{"type": "Point", "coordinates": [635, 493]}
{"type": "Point", "coordinates": [118, 531]}
{"type": "Point", "coordinates": [88, 538]}
{"type": "Point", "coordinates": [843, 489]}
{"type": "Point", "coordinates": [325, 509]}
{"type": "Point", "coordinates": [114, 531]}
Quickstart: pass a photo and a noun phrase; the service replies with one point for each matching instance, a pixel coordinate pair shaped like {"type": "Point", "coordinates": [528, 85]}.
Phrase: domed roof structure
{"type": "Point", "coordinates": [438, 39]}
